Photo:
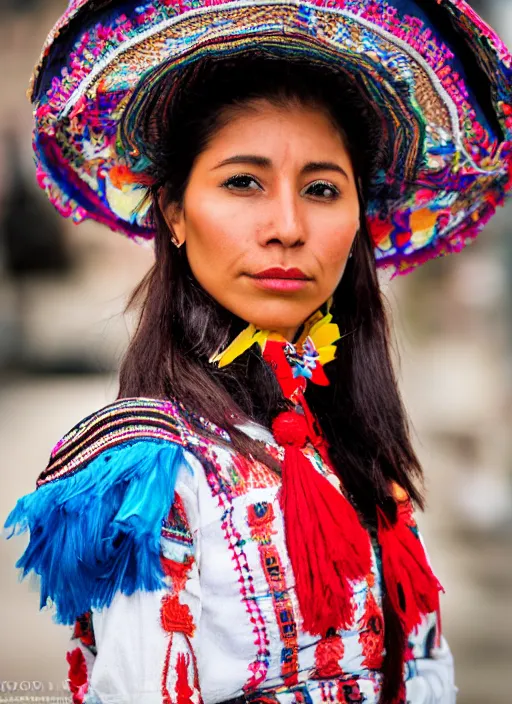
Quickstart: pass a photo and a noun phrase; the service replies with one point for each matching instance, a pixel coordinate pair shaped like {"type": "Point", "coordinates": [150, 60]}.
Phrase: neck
{"type": "Point", "coordinates": [287, 333]}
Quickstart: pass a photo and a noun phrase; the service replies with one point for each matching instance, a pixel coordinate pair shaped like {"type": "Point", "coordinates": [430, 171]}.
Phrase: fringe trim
{"type": "Point", "coordinates": [97, 532]}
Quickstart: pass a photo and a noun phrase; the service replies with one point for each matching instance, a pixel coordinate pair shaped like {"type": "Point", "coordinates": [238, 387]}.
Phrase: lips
{"type": "Point", "coordinates": [278, 272]}
{"type": "Point", "coordinates": [281, 281]}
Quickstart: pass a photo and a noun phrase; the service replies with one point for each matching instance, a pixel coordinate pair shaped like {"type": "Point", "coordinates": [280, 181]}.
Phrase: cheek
{"type": "Point", "coordinates": [333, 243]}
{"type": "Point", "coordinates": [213, 236]}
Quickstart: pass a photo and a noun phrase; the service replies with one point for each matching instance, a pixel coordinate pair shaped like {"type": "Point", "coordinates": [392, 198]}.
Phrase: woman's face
{"type": "Point", "coordinates": [269, 214]}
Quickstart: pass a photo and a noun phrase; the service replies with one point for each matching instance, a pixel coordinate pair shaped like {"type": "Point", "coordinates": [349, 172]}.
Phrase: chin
{"type": "Point", "coordinates": [289, 317]}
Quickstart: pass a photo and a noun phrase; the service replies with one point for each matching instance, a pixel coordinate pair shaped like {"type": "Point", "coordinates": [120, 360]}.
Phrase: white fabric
{"type": "Point", "coordinates": [132, 644]}
{"type": "Point", "coordinates": [434, 683]}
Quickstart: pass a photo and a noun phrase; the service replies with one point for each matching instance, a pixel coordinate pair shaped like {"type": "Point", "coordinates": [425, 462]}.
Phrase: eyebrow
{"type": "Point", "coordinates": [246, 159]}
{"type": "Point", "coordinates": [324, 166]}
{"type": "Point", "coordinates": [265, 162]}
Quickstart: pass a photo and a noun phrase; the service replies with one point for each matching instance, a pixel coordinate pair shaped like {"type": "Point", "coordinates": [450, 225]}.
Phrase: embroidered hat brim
{"type": "Point", "coordinates": [437, 74]}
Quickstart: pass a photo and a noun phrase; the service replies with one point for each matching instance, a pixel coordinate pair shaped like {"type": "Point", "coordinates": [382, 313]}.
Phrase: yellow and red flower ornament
{"type": "Point", "coordinates": [296, 363]}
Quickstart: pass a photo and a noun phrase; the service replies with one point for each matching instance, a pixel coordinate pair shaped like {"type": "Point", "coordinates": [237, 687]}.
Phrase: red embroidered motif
{"type": "Point", "coordinates": [259, 666]}
{"type": "Point", "coordinates": [260, 518]}
{"type": "Point", "coordinates": [183, 690]}
{"type": "Point", "coordinates": [83, 630]}
{"type": "Point", "coordinates": [349, 692]}
{"type": "Point", "coordinates": [176, 617]}
{"type": "Point", "coordinates": [300, 697]}
{"type": "Point", "coordinates": [250, 475]}
{"type": "Point", "coordinates": [178, 572]}
{"type": "Point", "coordinates": [77, 675]}
{"type": "Point", "coordinates": [328, 653]}
{"type": "Point", "coordinates": [371, 635]}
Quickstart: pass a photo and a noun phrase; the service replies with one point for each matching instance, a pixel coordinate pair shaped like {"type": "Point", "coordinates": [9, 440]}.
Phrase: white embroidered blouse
{"type": "Point", "coordinates": [167, 550]}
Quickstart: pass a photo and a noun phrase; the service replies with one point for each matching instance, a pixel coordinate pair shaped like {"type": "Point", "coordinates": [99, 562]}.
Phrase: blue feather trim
{"type": "Point", "coordinates": [97, 532]}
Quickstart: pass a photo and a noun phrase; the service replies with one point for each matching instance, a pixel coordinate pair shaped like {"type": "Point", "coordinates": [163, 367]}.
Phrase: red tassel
{"type": "Point", "coordinates": [327, 545]}
{"type": "Point", "coordinates": [412, 587]}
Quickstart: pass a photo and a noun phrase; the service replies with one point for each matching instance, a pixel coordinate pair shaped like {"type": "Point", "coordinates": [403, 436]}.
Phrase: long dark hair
{"type": "Point", "coordinates": [181, 326]}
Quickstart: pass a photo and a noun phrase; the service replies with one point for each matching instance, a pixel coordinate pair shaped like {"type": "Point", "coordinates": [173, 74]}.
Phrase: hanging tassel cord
{"type": "Point", "coordinates": [412, 587]}
{"type": "Point", "coordinates": [327, 545]}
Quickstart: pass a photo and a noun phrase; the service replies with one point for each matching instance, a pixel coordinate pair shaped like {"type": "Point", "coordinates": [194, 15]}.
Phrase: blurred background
{"type": "Point", "coordinates": [63, 331]}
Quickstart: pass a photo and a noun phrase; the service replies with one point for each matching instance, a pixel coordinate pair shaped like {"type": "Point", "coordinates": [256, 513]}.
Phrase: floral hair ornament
{"type": "Point", "coordinates": [437, 75]}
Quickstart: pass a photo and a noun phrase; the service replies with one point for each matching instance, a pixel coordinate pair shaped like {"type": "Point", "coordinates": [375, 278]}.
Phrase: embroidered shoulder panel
{"type": "Point", "coordinates": [121, 422]}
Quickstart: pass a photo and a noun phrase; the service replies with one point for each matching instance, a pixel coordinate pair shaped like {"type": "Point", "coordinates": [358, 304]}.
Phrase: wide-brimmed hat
{"type": "Point", "coordinates": [437, 75]}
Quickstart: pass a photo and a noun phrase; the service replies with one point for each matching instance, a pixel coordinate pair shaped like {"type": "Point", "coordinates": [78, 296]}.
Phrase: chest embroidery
{"type": "Point", "coordinates": [260, 518]}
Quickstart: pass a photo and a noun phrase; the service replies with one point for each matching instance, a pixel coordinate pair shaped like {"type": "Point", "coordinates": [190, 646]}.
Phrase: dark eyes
{"type": "Point", "coordinates": [241, 183]}
{"type": "Point", "coordinates": [320, 190]}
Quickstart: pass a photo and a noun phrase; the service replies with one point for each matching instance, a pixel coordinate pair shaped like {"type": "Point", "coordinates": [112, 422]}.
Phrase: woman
{"type": "Point", "coordinates": [238, 525]}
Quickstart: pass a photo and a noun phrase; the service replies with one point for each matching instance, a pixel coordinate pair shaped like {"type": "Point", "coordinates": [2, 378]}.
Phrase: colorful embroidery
{"type": "Point", "coordinates": [371, 633]}
{"type": "Point", "coordinates": [83, 631]}
{"type": "Point", "coordinates": [102, 517]}
{"type": "Point", "coordinates": [258, 668]}
{"type": "Point", "coordinates": [246, 475]}
{"type": "Point", "coordinates": [349, 692]}
{"type": "Point", "coordinates": [447, 166]}
{"type": "Point", "coordinates": [260, 518]}
{"type": "Point", "coordinates": [120, 473]}
{"type": "Point", "coordinates": [302, 695]}
{"type": "Point", "coordinates": [175, 526]}
{"type": "Point", "coordinates": [77, 675]}
{"type": "Point", "coordinates": [183, 690]}
{"type": "Point", "coordinates": [328, 655]}
{"type": "Point", "coordinates": [108, 428]}
{"type": "Point", "coordinates": [176, 617]}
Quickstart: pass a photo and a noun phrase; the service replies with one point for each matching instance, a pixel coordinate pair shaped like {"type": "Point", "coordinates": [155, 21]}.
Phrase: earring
{"type": "Point", "coordinates": [353, 244]}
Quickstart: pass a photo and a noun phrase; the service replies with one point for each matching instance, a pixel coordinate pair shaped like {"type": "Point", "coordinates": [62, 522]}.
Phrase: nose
{"type": "Point", "coordinates": [286, 227]}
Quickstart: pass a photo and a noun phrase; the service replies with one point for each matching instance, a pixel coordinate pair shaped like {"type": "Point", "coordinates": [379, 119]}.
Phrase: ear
{"type": "Point", "coordinates": [174, 217]}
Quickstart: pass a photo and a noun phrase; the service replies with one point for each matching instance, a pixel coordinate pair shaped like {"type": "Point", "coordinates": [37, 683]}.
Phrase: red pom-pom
{"type": "Point", "coordinates": [290, 428]}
